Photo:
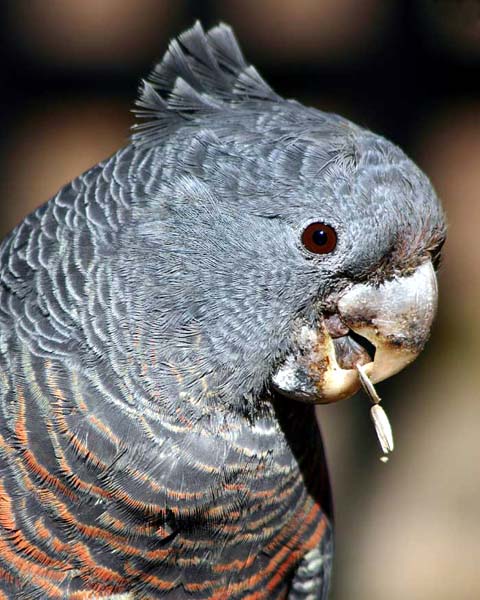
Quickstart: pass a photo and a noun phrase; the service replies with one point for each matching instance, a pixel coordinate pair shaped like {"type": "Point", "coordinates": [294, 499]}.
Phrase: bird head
{"type": "Point", "coordinates": [280, 246]}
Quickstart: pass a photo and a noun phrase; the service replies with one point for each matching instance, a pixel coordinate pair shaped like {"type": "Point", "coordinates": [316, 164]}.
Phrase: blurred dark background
{"type": "Point", "coordinates": [408, 70]}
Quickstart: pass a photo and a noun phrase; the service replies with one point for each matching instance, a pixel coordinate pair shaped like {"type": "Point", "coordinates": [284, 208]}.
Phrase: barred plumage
{"type": "Point", "coordinates": [112, 479]}
{"type": "Point", "coordinates": [144, 450]}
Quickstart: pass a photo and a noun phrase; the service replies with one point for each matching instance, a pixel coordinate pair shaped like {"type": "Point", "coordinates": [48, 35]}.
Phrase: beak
{"type": "Point", "coordinates": [394, 317]}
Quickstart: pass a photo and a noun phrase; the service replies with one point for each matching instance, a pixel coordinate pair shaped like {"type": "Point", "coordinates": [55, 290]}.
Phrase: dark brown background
{"type": "Point", "coordinates": [409, 70]}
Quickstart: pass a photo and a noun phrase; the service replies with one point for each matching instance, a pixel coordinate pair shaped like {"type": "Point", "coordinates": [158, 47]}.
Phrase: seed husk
{"type": "Point", "coordinates": [378, 415]}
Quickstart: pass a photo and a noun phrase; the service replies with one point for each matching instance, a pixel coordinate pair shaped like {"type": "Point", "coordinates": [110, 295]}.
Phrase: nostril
{"type": "Point", "coordinates": [364, 343]}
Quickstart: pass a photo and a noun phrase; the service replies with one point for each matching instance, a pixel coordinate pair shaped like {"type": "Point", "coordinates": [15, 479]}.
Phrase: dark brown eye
{"type": "Point", "coordinates": [319, 238]}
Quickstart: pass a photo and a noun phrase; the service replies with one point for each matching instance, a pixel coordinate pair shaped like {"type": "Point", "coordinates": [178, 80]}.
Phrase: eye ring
{"type": "Point", "coordinates": [319, 238]}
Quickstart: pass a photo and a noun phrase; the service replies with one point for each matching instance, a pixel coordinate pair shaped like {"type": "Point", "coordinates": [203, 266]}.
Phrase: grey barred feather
{"type": "Point", "coordinates": [143, 310]}
{"type": "Point", "coordinates": [100, 460]}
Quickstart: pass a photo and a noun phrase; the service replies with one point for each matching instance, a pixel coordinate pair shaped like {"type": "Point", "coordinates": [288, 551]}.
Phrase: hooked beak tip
{"type": "Point", "coordinates": [396, 317]}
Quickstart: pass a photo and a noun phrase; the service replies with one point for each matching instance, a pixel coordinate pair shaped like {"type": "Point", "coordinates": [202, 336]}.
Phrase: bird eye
{"type": "Point", "coordinates": [319, 238]}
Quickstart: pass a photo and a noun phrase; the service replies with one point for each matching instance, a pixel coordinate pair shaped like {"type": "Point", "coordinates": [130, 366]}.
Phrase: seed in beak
{"type": "Point", "coordinates": [379, 416]}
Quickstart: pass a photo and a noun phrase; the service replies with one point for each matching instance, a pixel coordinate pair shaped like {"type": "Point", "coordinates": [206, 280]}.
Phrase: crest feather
{"type": "Point", "coordinates": [199, 74]}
